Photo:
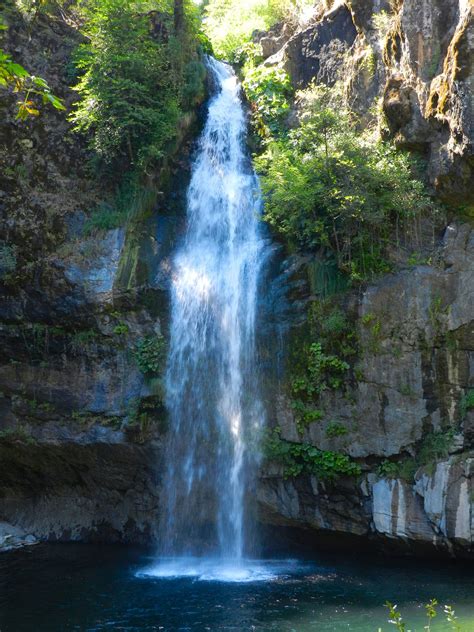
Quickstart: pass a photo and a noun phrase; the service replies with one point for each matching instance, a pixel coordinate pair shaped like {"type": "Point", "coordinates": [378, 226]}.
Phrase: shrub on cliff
{"type": "Point", "coordinates": [327, 184]}
{"type": "Point", "coordinates": [138, 75]}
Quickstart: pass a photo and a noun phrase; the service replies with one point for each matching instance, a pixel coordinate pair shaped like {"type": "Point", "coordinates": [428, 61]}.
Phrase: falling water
{"type": "Point", "coordinates": [211, 378]}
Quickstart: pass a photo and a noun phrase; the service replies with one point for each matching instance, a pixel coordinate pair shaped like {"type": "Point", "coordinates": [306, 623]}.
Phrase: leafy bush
{"type": "Point", "coordinates": [322, 365]}
{"type": "Point", "coordinates": [34, 91]}
{"type": "Point", "coordinates": [303, 458]}
{"type": "Point", "coordinates": [323, 371]}
{"type": "Point", "coordinates": [404, 469]}
{"type": "Point", "coordinates": [467, 403]}
{"type": "Point", "coordinates": [136, 78]}
{"type": "Point", "coordinates": [329, 185]}
{"type": "Point", "coordinates": [150, 355]}
{"type": "Point", "coordinates": [268, 88]}
{"type": "Point", "coordinates": [434, 447]}
{"type": "Point", "coordinates": [335, 429]}
{"type": "Point", "coordinates": [229, 24]}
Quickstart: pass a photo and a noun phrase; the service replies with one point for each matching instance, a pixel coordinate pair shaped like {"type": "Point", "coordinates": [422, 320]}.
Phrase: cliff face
{"type": "Point", "coordinates": [417, 57]}
{"type": "Point", "coordinates": [81, 413]}
{"type": "Point", "coordinates": [402, 413]}
{"type": "Point", "coordinates": [81, 423]}
{"type": "Point", "coordinates": [416, 344]}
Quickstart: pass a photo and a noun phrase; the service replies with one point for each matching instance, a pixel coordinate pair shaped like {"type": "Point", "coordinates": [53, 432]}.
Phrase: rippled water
{"type": "Point", "coordinates": [56, 588]}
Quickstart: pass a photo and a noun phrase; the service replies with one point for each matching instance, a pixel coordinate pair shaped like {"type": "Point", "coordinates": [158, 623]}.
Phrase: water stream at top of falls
{"type": "Point", "coordinates": [211, 382]}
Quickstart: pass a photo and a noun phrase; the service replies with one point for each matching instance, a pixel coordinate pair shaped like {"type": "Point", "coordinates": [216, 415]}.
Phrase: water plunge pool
{"type": "Point", "coordinates": [63, 587]}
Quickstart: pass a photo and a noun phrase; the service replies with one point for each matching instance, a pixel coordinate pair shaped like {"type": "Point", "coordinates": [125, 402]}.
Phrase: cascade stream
{"type": "Point", "coordinates": [211, 382]}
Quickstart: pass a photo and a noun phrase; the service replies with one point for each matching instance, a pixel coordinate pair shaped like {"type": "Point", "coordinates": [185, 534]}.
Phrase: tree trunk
{"type": "Point", "coordinates": [178, 16]}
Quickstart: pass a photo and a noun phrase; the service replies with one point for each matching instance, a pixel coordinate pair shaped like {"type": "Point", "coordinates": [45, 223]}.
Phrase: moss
{"type": "Point", "coordinates": [455, 68]}
{"type": "Point", "coordinates": [438, 102]}
{"type": "Point", "coordinates": [16, 435]}
{"type": "Point", "coordinates": [336, 429]}
{"type": "Point", "coordinates": [146, 417]}
{"type": "Point", "coordinates": [392, 48]}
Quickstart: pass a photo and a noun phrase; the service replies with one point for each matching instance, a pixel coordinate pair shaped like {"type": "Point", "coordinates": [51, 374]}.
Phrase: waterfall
{"type": "Point", "coordinates": [211, 381]}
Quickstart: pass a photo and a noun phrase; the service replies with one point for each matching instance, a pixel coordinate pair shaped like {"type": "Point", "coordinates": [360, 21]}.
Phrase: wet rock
{"type": "Point", "coordinates": [13, 537]}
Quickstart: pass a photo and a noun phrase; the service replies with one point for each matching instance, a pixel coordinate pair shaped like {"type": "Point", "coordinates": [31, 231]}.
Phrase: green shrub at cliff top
{"type": "Point", "coordinates": [139, 73]}
{"type": "Point", "coordinates": [230, 23]}
{"type": "Point", "coordinates": [329, 185]}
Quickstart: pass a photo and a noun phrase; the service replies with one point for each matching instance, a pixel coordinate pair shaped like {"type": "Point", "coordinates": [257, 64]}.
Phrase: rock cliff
{"type": "Point", "coordinates": [405, 399]}
{"type": "Point", "coordinates": [402, 413]}
{"type": "Point", "coordinates": [83, 316]}
{"type": "Point", "coordinates": [416, 58]}
{"type": "Point", "coordinates": [82, 418]}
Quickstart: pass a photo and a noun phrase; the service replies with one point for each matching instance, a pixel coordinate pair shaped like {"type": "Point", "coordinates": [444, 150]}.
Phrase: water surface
{"type": "Point", "coordinates": [56, 588]}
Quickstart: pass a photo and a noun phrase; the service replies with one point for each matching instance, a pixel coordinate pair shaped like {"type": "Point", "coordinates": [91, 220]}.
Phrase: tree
{"type": "Point", "coordinates": [33, 90]}
{"type": "Point", "coordinates": [178, 16]}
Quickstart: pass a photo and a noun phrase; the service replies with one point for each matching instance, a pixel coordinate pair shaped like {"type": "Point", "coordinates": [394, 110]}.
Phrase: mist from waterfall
{"type": "Point", "coordinates": [211, 381]}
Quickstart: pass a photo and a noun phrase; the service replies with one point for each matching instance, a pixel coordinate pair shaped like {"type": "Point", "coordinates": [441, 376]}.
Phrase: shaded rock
{"type": "Point", "coordinates": [316, 53]}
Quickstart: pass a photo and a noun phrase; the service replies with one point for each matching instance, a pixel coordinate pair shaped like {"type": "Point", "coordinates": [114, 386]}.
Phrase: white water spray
{"type": "Point", "coordinates": [211, 381]}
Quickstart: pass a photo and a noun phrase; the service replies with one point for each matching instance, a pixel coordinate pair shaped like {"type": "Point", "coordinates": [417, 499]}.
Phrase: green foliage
{"type": "Point", "coordinates": [8, 259]}
{"type": "Point", "coordinates": [404, 469]}
{"type": "Point", "coordinates": [229, 24]}
{"type": "Point", "coordinates": [88, 419]}
{"type": "Point", "coordinates": [144, 416]}
{"type": "Point", "coordinates": [83, 338]}
{"type": "Point", "coordinates": [130, 201]}
{"type": "Point", "coordinates": [396, 618]}
{"type": "Point", "coordinates": [193, 91]}
{"type": "Point", "coordinates": [137, 76]}
{"type": "Point", "coordinates": [374, 327]}
{"type": "Point", "coordinates": [321, 365]}
{"type": "Point", "coordinates": [437, 312]}
{"type": "Point", "coordinates": [303, 458]}
{"type": "Point", "coordinates": [323, 371]}
{"type": "Point", "coordinates": [33, 90]}
{"type": "Point", "coordinates": [335, 429]}
{"type": "Point", "coordinates": [105, 217]}
{"type": "Point", "coordinates": [329, 185]}
{"type": "Point", "coordinates": [121, 329]}
{"type": "Point", "coordinates": [434, 447]}
{"type": "Point", "coordinates": [268, 88]}
{"type": "Point", "coordinates": [417, 259]}
{"type": "Point", "coordinates": [467, 403]}
{"type": "Point", "coordinates": [16, 435]}
{"type": "Point", "coordinates": [150, 355]}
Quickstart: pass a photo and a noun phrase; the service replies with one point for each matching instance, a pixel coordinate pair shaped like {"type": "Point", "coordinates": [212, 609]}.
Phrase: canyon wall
{"type": "Point", "coordinates": [82, 420]}
{"type": "Point", "coordinates": [400, 414]}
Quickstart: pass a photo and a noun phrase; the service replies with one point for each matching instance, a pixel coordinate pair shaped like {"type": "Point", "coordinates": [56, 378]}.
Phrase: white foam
{"type": "Point", "coordinates": [221, 570]}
